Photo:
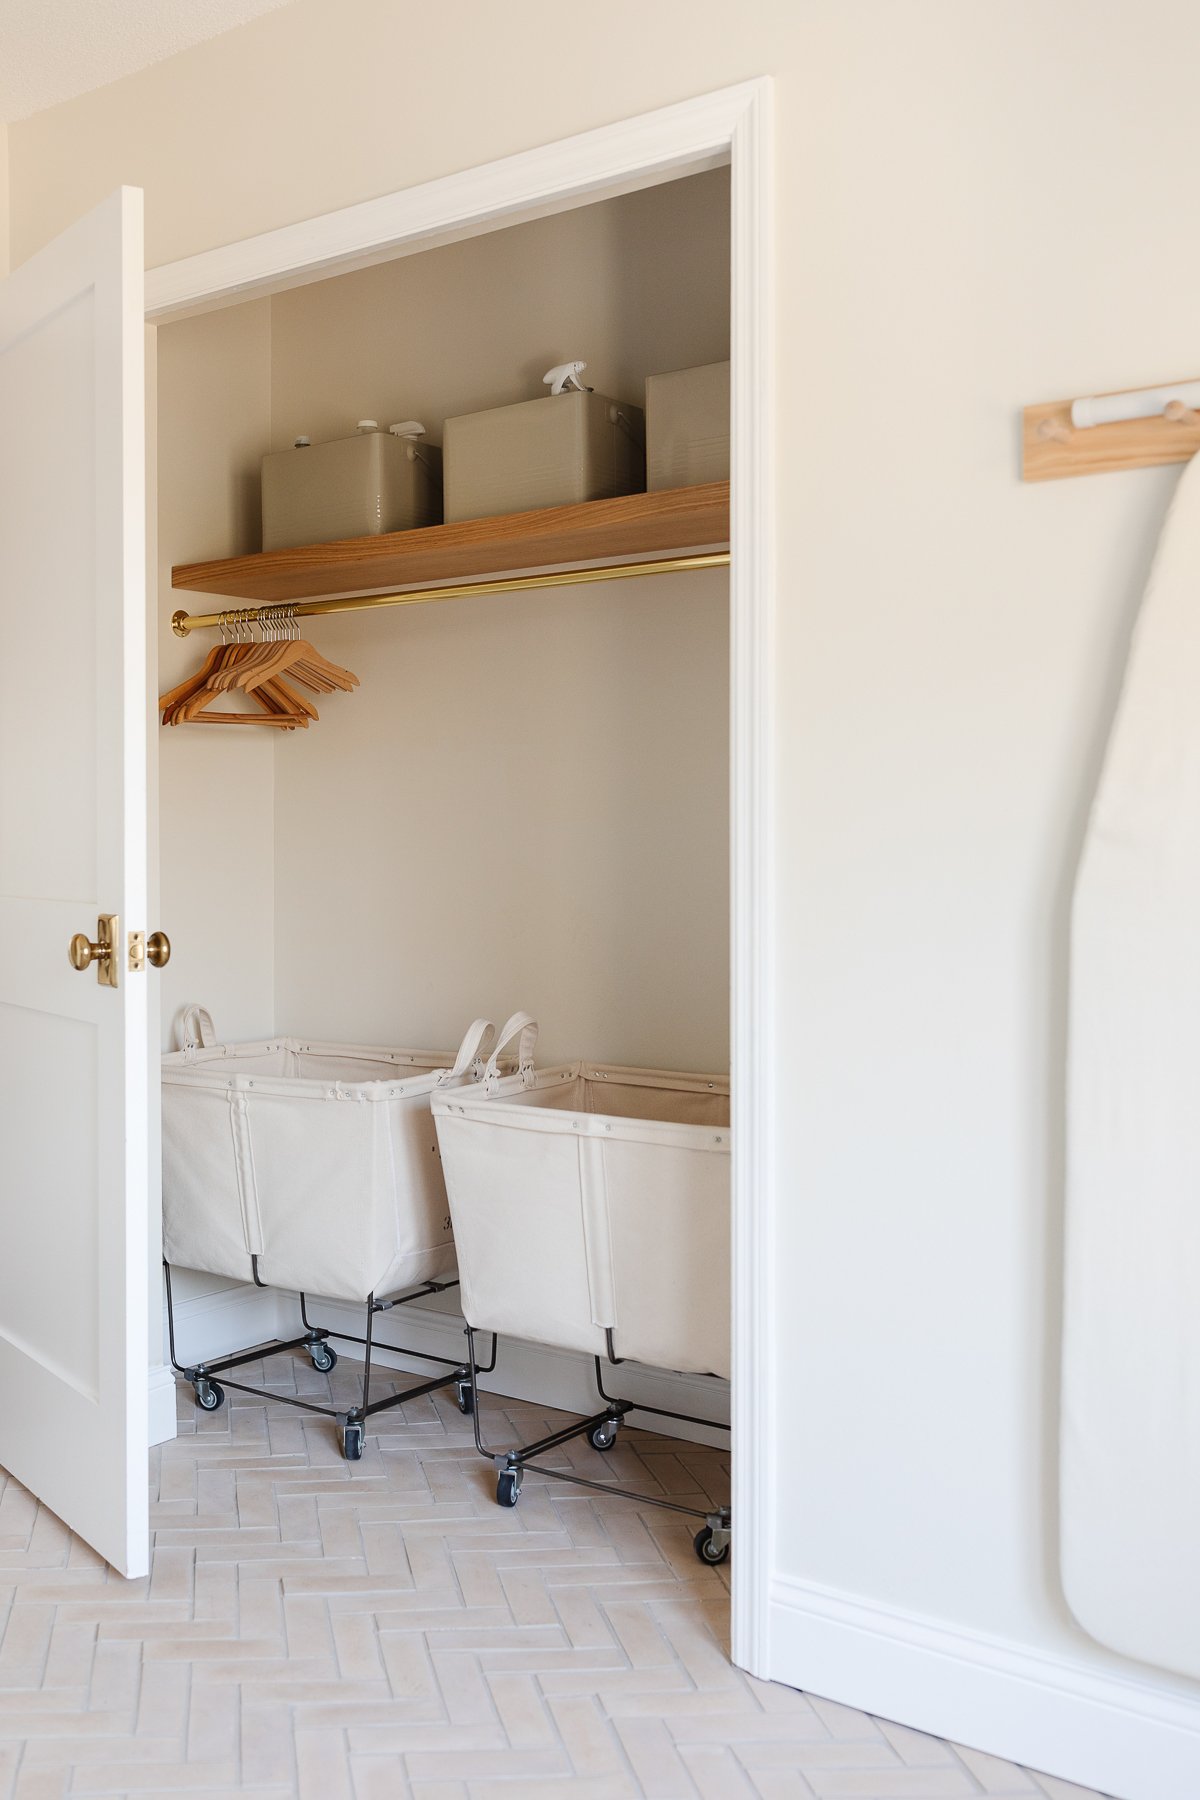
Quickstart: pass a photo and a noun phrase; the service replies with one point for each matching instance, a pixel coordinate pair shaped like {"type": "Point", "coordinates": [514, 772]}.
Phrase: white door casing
{"type": "Point", "coordinates": [734, 126]}
{"type": "Point", "coordinates": [74, 1091]}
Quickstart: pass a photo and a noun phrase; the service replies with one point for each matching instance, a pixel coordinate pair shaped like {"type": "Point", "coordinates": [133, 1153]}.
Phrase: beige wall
{"type": "Point", "coordinates": [216, 819]}
{"type": "Point", "coordinates": [217, 822]}
{"type": "Point", "coordinates": [526, 803]}
{"type": "Point", "coordinates": [980, 204]}
{"type": "Point", "coordinates": [4, 197]}
{"type": "Point", "coordinates": [635, 285]}
{"type": "Point", "coordinates": [522, 806]}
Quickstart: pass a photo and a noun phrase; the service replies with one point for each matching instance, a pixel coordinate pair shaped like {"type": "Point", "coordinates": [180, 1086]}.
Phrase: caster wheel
{"type": "Point", "coordinates": [707, 1551]}
{"type": "Point", "coordinates": [209, 1395]}
{"type": "Point", "coordinates": [465, 1395]}
{"type": "Point", "coordinates": [508, 1487]}
{"type": "Point", "coordinates": [603, 1436]}
{"type": "Point", "coordinates": [352, 1441]}
{"type": "Point", "coordinates": [324, 1357]}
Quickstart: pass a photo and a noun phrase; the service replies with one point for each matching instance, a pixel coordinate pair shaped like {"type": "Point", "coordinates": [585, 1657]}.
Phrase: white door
{"type": "Point", "coordinates": [74, 1090]}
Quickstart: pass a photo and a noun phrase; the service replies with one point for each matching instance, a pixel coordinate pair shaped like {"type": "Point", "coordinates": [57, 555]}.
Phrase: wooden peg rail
{"type": "Point", "coordinates": [1052, 447]}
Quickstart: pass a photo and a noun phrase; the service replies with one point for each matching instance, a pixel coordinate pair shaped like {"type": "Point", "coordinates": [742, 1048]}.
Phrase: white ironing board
{"type": "Point", "coordinates": [1130, 1467]}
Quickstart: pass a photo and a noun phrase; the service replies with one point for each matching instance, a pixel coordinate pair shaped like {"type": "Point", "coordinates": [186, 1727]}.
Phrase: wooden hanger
{"type": "Point", "coordinates": [297, 656]}
{"type": "Point", "coordinates": [212, 662]}
{"type": "Point", "coordinates": [278, 704]}
{"type": "Point", "coordinates": [257, 670]}
{"type": "Point", "coordinates": [293, 709]}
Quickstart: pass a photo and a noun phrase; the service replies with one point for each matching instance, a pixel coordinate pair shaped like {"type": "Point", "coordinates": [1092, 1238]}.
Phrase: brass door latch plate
{"type": "Point", "coordinates": [155, 950]}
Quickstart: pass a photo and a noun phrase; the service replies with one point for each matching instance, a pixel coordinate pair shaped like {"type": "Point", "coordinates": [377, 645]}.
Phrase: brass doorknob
{"type": "Point", "coordinates": [158, 949]}
{"type": "Point", "coordinates": [82, 951]}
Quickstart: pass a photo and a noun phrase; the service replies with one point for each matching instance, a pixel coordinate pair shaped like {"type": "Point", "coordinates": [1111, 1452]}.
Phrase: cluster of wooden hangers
{"type": "Point", "coordinates": [257, 670]}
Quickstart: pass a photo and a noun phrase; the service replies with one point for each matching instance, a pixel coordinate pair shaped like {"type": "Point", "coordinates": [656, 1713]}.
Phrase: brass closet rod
{"type": "Point", "coordinates": [183, 622]}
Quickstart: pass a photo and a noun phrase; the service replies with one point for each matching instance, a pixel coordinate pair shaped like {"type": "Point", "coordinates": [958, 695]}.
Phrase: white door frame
{"type": "Point", "coordinates": [734, 126]}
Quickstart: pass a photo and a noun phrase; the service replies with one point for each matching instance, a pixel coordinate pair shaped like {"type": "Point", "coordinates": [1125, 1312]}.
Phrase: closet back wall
{"type": "Point", "coordinates": [526, 802]}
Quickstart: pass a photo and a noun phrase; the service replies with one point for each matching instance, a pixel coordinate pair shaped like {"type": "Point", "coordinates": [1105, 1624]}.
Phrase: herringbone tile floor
{"type": "Point", "coordinates": [383, 1630]}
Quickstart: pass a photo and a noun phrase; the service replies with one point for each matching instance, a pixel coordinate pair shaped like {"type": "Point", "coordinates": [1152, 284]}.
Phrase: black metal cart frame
{"type": "Point", "coordinates": [712, 1541]}
{"type": "Point", "coordinates": [210, 1393]}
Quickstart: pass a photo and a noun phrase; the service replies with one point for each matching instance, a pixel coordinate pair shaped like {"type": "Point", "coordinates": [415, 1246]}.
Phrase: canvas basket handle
{"type": "Point", "coordinates": [524, 1026]}
{"type": "Point", "coordinates": [196, 1030]}
{"type": "Point", "coordinates": [474, 1047]}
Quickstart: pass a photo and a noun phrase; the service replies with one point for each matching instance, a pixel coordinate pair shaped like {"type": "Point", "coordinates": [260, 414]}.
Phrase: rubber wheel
{"type": "Point", "coordinates": [210, 1395]}
{"type": "Point", "coordinates": [465, 1396]}
{"type": "Point", "coordinates": [324, 1357]}
{"type": "Point", "coordinates": [603, 1436]}
{"type": "Point", "coordinates": [352, 1442]}
{"type": "Point", "coordinates": [508, 1488]}
{"type": "Point", "coordinates": [705, 1549]}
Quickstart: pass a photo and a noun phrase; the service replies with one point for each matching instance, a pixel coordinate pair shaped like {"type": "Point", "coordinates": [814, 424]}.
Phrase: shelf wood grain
{"type": "Point", "coordinates": [634, 526]}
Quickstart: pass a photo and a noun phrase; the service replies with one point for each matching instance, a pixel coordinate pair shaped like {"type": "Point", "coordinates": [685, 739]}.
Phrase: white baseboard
{"type": "Point", "coordinates": [217, 1324]}
{"type": "Point", "coordinates": [162, 1404]}
{"type": "Point", "coordinates": [209, 1324]}
{"type": "Point", "coordinates": [220, 1323]}
{"type": "Point", "coordinates": [1126, 1737]}
{"type": "Point", "coordinates": [564, 1379]}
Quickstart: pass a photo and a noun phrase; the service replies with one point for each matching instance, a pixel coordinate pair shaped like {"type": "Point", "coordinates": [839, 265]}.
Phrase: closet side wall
{"type": "Point", "coordinates": [4, 201]}
{"type": "Point", "coordinates": [216, 787]}
{"type": "Point", "coordinates": [526, 802]}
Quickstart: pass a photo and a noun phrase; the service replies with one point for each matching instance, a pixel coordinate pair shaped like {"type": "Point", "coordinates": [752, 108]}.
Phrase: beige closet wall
{"type": "Point", "coordinates": [981, 203]}
{"type": "Point", "coordinates": [4, 206]}
{"type": "Point", "coordinates": [216, 785]}
{"type": "Point", "coordinates": [526, 803]}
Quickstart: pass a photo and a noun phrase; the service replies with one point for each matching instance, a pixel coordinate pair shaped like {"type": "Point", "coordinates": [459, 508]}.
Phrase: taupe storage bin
{"type": "Point", "coordinates": [350, 487]}
{"type": "Point", "coordinates": [687, 427]}
{"type": "Point", "coordinates": [551, 452]}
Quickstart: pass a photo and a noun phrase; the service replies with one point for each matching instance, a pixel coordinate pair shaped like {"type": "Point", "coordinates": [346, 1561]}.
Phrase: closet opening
{"type": "Point", "coordinates": [523, 806]}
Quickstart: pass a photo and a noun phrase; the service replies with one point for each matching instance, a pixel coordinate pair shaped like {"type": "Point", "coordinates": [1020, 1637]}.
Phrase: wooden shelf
{"type": "Point", "coordinates": [635, 526]}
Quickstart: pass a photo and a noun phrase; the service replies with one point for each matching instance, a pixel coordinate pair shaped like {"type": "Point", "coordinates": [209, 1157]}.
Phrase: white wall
{"type": "Point", "coordinates": [527, 802]}
{"type": "Point", "coordinates": [980, 204]}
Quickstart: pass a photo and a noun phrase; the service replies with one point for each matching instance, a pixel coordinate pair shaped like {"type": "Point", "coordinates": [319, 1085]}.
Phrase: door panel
{"type": "Point", "coordinates": [73, 1053]}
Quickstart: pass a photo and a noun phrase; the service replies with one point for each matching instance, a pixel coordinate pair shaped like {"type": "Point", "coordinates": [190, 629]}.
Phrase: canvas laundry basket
{"type": "Point", "coordinates": [320, 1160]}
{"type": "Point", "coordinates": [589, 1197]}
